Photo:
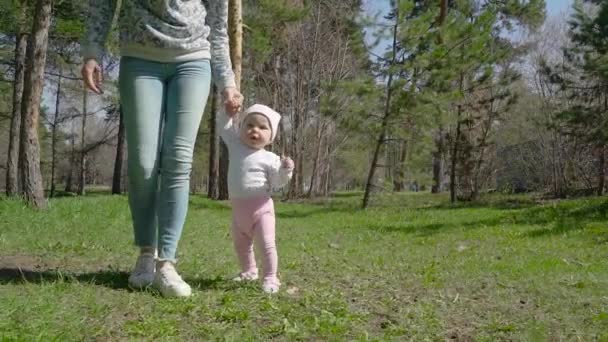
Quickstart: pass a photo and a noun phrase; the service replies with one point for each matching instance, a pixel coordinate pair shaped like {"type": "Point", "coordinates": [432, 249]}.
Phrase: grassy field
{"type": "Point", "coordinates": [411, 268]}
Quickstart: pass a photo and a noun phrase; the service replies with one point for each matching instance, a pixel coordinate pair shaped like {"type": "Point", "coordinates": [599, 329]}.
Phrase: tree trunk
{"type": "Point", "coordinates": [212, 185]}
{"type": "Point", "coordinates": [223, 184]}
{"type": "Point", "coordinates": [54, 135]}
{"type": "Point", "coordinates": [387, 111]}
{"type": "Point", "coordinates": [235, 24]}
{"type": "Point", "coordinates": [12, 162]}
{"type": "Point", "coordinates": [120, 155]}
{"type": "Point", "coordinates": [31, 178]}
{"type": "Point", "coordinates": [399, 177]}
{"type": "Point", "coordinates": [328, 169]}
{"type": "Point", "coordinates": [438, 163]}
{"type": "Point", "coordinates": [602, 171]}
{"type": "Point", "coordinates": [83, 154]}
{"type": "Point", "coordinates": [455, 158]}
{"type": "Point", "coordinates": [295, 186]}
{"type": "Point", "coordinates": [315, 162]}
{"type": "Point", "coordinates": [69, 183]}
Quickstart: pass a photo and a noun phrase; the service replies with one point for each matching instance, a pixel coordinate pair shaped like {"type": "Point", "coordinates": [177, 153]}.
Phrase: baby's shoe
{"type": "Point", "coordinates": [271, 286]}
{"type": "Point", "coordinates": [246, 276]}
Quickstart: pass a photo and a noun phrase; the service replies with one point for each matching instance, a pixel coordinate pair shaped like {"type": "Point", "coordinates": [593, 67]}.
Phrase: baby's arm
{"type": "Point", "coordinates": [225, 128]}
{"type": "Point", "coordinates": [281, 171]}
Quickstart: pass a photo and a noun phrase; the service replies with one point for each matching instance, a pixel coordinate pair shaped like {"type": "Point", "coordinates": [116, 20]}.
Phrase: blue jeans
{"type": "Point", "coordinates": [162, 104]}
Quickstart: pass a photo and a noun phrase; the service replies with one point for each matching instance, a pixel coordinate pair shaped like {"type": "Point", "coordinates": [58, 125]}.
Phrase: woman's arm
{"type": "Point", "coordinates": [97, 25]}
{"type": "Point", "coordinates": [217, 19]}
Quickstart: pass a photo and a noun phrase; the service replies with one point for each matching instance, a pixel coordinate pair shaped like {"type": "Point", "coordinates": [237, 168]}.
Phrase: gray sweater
{"type": "Point", "coordinates": [165, 31]}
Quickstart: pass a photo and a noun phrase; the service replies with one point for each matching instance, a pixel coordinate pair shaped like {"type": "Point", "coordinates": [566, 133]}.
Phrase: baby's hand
{"type": "Point", "coordinates": [287, 163]}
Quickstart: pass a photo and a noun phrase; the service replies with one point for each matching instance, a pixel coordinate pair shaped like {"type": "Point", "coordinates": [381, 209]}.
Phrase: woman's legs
{"type": "Point", "coordinates": [162, 106]}
{"type": "Point", "coordinates": [142, 91]}
{"type": "Point", "coordinates": [187, 92]}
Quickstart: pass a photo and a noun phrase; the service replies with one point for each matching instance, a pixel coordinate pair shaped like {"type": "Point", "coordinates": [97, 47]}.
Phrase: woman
{"type": "Point", "coordinates": [169, 49]}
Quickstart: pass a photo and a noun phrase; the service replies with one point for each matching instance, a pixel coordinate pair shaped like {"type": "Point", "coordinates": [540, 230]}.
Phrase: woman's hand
{"type": "Point", "coordinates": [233, 100]}
{"type": "Point", "coordinates": [92, 75]}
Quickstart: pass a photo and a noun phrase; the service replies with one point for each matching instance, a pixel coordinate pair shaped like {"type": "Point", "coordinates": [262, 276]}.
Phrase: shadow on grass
{"type": "Point", "coordinates": [307, 212]}
{"type": "Point", "coordinates": [561, 220]}
{"type": "Point", "coordinates": [554, 219]}
{"type": "Point", "coordinates": [116, 280]}
{"type": "Point", "coordinates": [435, 228]}
{"type": "Point", "coordinates": [111, 279]}
{"type": "Point", "coordinates": [490, 203]}
{"type": "Point", "coordinates": [206, 283]}
{"type": "Point", "coordinates": [209, 205]}
{"type": "Point", "coordinates": [88, 193]}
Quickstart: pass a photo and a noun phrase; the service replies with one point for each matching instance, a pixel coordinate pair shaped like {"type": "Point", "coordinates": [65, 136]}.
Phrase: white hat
{"type": "Point", "coordinates": [272, 116]}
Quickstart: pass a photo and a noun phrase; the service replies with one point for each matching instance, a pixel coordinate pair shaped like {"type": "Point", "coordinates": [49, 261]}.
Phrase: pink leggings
{"type": "Point", "coordinates": [253, 218]}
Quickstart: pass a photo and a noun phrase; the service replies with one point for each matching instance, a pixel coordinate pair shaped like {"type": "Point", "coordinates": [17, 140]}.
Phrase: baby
{"type": "Point", "coordinates": [252, 174]}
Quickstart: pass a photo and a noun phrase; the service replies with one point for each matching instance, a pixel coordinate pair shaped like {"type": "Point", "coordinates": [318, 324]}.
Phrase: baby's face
{"type": "Point", "coordinates": [255, 131]}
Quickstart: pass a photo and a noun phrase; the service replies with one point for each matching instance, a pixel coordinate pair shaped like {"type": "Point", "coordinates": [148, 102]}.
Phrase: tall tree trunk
{"type": "Point", "coordinates": [295, 185]}
{"type": "Point", "coordinates": [212, 185]}
{"type": "Point", "coordinates": [69, 183]}
{"type": "Point", "coordinates": [223, 170]}
{"type": "Point", "coordinates": [120, 142]}
{"type": "Point", "coordinates": [315, 162]}
{"type": "Point", "coordinates": [438, 162]}
{"type": "Point", "coordinates": [399, 177]}
{"type": "Point", "coordinates": [455, 158]}
{"type": "Point", "coordinates": [31, 178]}
{"type": "Point", "coordinates": [83, 154]}
{"type": "Point", "coordinates": [438, 170]}
{"type": "Point", "coordinates": [602, 170]}
{"type": "Point", "coordinates": [54, 135]}
{"type": "Point", "coordinates": [328, 170]}
{"type": "Point", "coordinates": [235, 24]}
{"type": "Point", "coordinates": [12, 162]}
{"type": "Point", "coordinates": [120, 155]}
{"type": "Point", "coordinates": [387, 111]}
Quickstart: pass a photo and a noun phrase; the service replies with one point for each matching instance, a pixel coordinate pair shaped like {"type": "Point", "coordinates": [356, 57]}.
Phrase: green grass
{"type": "Point", "coordinates": [411, 268]}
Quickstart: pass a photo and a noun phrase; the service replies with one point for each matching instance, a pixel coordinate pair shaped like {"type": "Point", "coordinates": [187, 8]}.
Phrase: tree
{"type": "Point", "coordinates": [212, 185]}
{"type": "Point", "coordinates": [30, 110]}
{"type": "Point", "coordinates": [583, 79]}
{"type": "Point", "coordinates": [120, 155]}
{"type": "Point", "coordinates": [387, 112]}
{"type": "Point", "coordinates": [83, 155]}
{"type": "Point", "coordinates": [12, 169]}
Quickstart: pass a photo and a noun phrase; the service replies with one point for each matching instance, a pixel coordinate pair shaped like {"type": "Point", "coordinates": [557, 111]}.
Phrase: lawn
{"type": "Point", "coordinates": [410, 268]}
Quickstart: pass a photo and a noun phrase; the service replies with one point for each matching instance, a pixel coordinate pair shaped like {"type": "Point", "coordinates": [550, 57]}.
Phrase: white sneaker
{"type": "Point", "coordinates": [271, 287]}
{"type": "Point", "coordinates": [246, 276]}
{"type": "Point", "coordinates": [169, 283]}
{"type": "Point", "coordinates": [143, 273]}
